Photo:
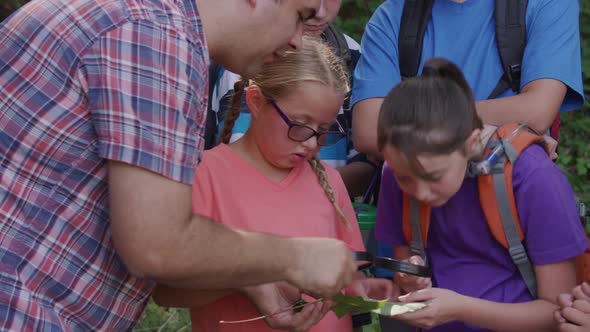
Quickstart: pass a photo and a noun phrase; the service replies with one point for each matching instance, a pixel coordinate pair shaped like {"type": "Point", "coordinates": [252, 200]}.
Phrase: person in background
{"type": "Point", "coordinates": [550, 82]}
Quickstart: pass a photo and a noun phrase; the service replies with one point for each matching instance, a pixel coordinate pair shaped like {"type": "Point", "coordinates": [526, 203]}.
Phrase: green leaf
{"type": "Point", "coordinates": [355, 304]}
{"type": "Point", "coordinates": [398, 308]}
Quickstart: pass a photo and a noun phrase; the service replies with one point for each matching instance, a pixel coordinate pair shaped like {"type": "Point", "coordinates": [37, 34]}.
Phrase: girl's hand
{"type": "Point", "coordinates": [551, 146]}
{"type": "Point", "coordinates": [374, 288]}
{"type": "Point", "coordinates": [582, 292]}
{"type": "Point", "coordinates": [574, 312]}
{"type": "Point", "coordinates": [410, 283]}
{"type": "Point", "coordinates": [445, 307]}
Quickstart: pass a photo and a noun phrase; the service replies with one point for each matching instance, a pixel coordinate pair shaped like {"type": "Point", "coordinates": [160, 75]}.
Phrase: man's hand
{"type": "Point", "coordinates": [321, 267]}
{"type": "Point", "coordinates": [274, 300]}
{"type": "Point", "coordinates": [374, 288]}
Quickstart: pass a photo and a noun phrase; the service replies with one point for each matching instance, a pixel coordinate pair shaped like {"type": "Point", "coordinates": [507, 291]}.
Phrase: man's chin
{"type": "Point", "coordinates": [250, 71]}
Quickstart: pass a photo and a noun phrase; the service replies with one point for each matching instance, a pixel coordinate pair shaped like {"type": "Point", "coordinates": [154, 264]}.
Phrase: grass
{"type": "Point", "coordinates": [160, 319]}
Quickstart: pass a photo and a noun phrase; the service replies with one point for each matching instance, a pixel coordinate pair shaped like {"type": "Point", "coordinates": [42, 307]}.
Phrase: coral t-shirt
{"type": "Point", "coordinates": [227, 189]}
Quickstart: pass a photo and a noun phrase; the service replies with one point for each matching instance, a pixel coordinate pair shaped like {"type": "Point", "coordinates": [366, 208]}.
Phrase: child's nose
{"type": "Point", "coordinates": [423, 192]}
{"type": "Point", "coordinates": [311, 143]}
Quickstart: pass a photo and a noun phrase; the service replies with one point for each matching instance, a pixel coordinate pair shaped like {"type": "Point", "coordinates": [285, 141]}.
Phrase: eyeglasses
{"type": "Point", "coordinates": [301, 133]}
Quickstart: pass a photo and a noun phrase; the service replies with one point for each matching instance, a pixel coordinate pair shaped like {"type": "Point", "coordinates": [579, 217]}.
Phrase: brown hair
{"type": "Point", "coordinates": [433, 113]}
{"type": "Point", "coordinates": [315, 62]}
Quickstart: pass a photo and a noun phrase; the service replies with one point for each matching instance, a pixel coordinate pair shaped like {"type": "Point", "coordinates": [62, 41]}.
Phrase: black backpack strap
{"type": "Point", "coordinates": [511, 39]}
{"type": "Point", "coordinates": [211, 120]}
{"type": "Point", "coordinates": [415, 18]}
{"type": "Point", "coordinates": [335, 38]}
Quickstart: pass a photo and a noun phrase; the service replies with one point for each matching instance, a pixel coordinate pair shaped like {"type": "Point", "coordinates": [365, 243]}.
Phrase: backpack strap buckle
{"type": "Point", "coordinates": [514, 73]}
{"type": "Point", "coordinates": [518, 254]}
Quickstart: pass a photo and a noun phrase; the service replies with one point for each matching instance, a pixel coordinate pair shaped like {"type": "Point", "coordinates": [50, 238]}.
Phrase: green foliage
{"type": "Point", "coordinates": [8, 6]}
{"type": "Point", "coordinates": [354, 15]}
{"type": "Point", "coordinates": [156, 318]}
{"type": "Point", "coordinates": [574, 149]}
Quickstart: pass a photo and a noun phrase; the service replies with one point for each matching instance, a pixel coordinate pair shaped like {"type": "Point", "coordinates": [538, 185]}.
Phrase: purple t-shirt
{"type": "Point", "coordinates": [465, 256]}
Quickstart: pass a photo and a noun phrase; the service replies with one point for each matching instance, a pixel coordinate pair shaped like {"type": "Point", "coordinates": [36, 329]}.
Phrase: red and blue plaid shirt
{"type": "Point", "coordinates": [83, 82]}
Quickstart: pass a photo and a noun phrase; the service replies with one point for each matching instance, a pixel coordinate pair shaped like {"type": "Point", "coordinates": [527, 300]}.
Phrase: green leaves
{"type": "Point", "coordinates": [355, 304]}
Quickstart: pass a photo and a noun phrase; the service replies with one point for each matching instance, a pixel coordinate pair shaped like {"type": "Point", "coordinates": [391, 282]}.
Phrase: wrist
{"type": "Point", "coordinates": [461, 307]}
{"type": "Point", "coordinates": [291, 261]}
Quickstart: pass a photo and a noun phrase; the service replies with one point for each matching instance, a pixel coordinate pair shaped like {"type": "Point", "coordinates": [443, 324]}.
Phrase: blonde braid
{"type": "Point", "coordinates": [234, 111]}
{"type": "Point", "coordinates": [320, 171]}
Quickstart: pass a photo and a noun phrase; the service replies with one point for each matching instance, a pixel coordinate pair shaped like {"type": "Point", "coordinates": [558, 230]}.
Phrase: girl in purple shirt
{"type": "Point", "coordinates": [428, 132]}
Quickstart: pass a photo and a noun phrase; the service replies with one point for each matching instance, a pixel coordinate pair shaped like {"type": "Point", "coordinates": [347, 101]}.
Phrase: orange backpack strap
{"type": "Point", "coordinates": [497, 197]}
{"type": "Point", "coordinates": [583, 266]}
{"type": "Point", "coordinates": [416, 220]}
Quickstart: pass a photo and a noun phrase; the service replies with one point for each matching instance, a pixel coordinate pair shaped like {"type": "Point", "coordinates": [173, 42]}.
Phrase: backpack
{"type": "Point", "coordinates": [510, 37]}
{"type": "Point", "coordinates": [494, 176]}
{"type": "Point", "coordinates": [211, 119]}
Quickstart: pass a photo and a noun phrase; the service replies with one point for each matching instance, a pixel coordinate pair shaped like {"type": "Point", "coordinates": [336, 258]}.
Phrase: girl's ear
{"type": "Point", "coordinates": [255, 100]}
{"type": "Point", "coordinates": [473, 144]}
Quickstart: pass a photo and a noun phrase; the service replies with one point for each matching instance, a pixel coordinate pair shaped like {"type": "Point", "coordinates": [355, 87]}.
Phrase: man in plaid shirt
{"type": "Point", "coordinates": [102, 110]}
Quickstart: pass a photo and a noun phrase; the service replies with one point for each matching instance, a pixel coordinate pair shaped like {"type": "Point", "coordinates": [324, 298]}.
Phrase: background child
{"type": "Point", "coordinates": [428, 132]}
{"type": "Point", "coordinates": [574, 312]}
{"type": "Point", "coordinates": [270, 180]}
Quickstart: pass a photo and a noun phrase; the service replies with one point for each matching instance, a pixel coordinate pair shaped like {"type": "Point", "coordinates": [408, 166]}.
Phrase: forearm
{"type": "Point", "coordinates": [364, 126]}
{"type": "Point", "coordinates": [509, 317]}
{"type": "Point", "coordinates": [537, 105]}
{"type": "Point", "coordinates": [204, 254]}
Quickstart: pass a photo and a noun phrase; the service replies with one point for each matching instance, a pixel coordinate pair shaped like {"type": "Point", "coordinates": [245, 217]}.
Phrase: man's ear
{"type": "Point", "coordinates": [473, 144]}
{"type": "Point", "coordinates": [255, 100]}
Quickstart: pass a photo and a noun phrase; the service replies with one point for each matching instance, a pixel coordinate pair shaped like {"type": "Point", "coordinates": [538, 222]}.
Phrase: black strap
{"type": "Point", "coordinates": [510, 16]}
{"type": "Point", "coordinates": [336, 39]}
{"type": "Point", "coordinates": [211, 121]}
{"type": "Point", "coordinates": [511, 39]}
{"type": "Point", "coordinates": [414, 21]}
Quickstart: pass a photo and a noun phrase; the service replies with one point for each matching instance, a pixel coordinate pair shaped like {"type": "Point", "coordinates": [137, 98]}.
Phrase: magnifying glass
{"type": "Point", "coordinates": [390, 264]}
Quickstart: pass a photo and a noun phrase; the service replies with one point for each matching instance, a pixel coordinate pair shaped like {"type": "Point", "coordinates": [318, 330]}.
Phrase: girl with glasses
{"type": "Point", "coordinates": [270, 180]}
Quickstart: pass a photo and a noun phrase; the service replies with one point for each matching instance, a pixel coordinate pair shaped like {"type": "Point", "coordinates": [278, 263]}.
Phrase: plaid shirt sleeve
{"type": "Point", "coordinates": [147, 93]}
